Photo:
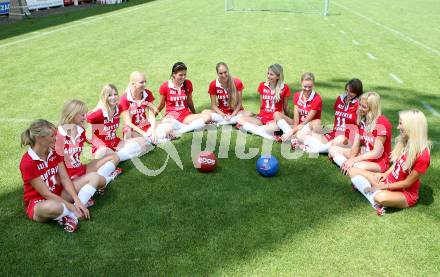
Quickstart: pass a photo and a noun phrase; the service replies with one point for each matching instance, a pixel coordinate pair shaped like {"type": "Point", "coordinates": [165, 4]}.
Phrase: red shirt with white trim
{"type": "Point", "coordinates": [32, 166]}
{"type": "Point", "coordinates": [137, 109]}
{"type": "Point", "coordinates": [71, 148]}
{"type": "Point", "coordinates": [345, 114]}
{"type": "Point", "coordinates": [400, 172]}
{"type": "Point", "coordinates": [104, 128]}
{"type": "Point", "coordinates": [221, 93]}
{"type": "Point", "coordinates": [305, 106]}
{"type": "Point", "coordinates": [176, 98]}
{"type": "Point", "coordinates": [268, 104]}
{"type": "Point", "coordinates": [383, 128]}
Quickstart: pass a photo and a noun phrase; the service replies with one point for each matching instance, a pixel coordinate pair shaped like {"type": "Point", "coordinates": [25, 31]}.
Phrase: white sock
{"type": "Point", "coordinates": [284, 126]}
{"type": "Point", "coordinates": [361, 183]}
{"type": "Point", "coordinates": [160, 132]}
{"type": "Point", "coordinates": [85, 193]}
{"type": "Point", "coordinates": [106, 169]}
{"type": "Point", "coordinates": [130, 150]}
{"type": "Point", "coordinates": [257, 130]}
{"type": "Point", "coordinates": [324, 147]}
{"type": "Point", "coordinates": [194, 125]}
{"type": "Point", "coordinates": [217, 118]}
{"type": "Point", "coordinates": [315, 145]}
{"type": "Point", "coordinates": [64, 213]}
{"type": "Point", "coordinates": [233, 120]}
{"type": "Point", "coordinates": [339, 159]}
{"type": "Point", "coordinates": [177, 125]}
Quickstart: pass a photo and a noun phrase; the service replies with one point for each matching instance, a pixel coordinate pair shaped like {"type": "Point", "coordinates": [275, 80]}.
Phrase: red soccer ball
{"type": "Point", "coordinates": [206, 161]}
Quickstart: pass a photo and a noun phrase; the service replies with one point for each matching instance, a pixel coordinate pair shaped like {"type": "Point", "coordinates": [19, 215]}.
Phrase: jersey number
{"type": "Point", "coordinates": [270, 105]}
{"type": "Point", "coordinates": [51, 182]}
{"type": "Point", "coordinates": [180, 104]}
{"type": "Point", "coordinates": [340, 121]}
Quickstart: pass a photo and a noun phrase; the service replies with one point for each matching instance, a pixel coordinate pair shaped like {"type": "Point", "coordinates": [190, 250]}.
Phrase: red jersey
{"type": "Point", "coordinates": [71, 148]}
{"type": "Point", "coordinates": [313, 103]}
{"type": "Point", "coordinates": [345, 114]}
{"type": "Point", "coordinates": [104, 128]}
{"type": "Point", "coordinates": [221, 93]}
{"type": "Point", "coordinates": [400, 173]}
{"type": "Point", "coordinates": [268, 104]}
{"type": "Point", "coordinates": [31, 167]}
{"type": "Point", "coordinates": [137, 109]}
{"type": "Point", "coordinates": [176, 98]}
{"type": "Point", "coordinates": [383, 128]}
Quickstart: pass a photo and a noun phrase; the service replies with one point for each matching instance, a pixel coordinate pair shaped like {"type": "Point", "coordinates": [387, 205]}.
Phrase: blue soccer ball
{"type": "Point", "coordinates": [267, 165]}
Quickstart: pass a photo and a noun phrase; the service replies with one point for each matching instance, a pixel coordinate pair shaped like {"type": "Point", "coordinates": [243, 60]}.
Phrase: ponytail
{"type": "Point", "coordinates": [38, 128]}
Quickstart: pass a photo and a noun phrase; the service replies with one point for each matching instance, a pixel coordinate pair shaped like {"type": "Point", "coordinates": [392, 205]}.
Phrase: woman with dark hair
{"type": "Point", "coordinates": [176, 96]}
{"type": "Point", "coordinates": [344, 125]}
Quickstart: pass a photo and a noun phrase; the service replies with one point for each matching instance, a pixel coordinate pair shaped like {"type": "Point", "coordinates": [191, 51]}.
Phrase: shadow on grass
{"type": "Point", "coordinates": [183, 222]}
{"type": "Point", "coordinates": [63, 16]}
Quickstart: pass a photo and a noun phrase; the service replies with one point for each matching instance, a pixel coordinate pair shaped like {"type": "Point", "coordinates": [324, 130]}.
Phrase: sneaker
{"type": "Point", "coordinates": [294, 143]}
{"type": "Point", "coordinates": [380, 211]}
{"type": "Point", "coordinates": [116, 173]}
{"type": "Point", "coordinates": [277, 138]}
{"type": "Point", "coordinates": [90, 203]}
{"type": "Point", "coordinates": [237, 126]}
{"type": "Point", "coordinates": [70, 224]}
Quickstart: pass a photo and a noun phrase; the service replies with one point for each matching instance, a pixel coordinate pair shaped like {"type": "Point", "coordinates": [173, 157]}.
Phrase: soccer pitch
{"type": "Point", "coordinates": [304, 221]}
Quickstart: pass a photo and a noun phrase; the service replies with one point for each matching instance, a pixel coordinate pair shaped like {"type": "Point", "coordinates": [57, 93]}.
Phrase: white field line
{"type": "Point", "coordinates": [395, 78]}
{"type": "Point", "coordinates": [431, 109]}
{"type": "Point", "coordinates": [39, 34]}
{"type": "Point", "coordinates": [355, 42]}
{"type": "Point", "coordinates": [394, 31]}
{"type": "Point", "coordinates": [371, 56]}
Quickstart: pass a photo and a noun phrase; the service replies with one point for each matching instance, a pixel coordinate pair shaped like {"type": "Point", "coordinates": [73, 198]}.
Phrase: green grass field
{"type": "Point", "coordinates": [304, 221]}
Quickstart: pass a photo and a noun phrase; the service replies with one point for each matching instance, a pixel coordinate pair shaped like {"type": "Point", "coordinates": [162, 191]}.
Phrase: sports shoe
{"type": "Point", "coordinates": [294, 143]}
{"type": "Point", "coordinates": [70, 224]}
{"type": "Point", "coordinates": [237, 126]}
{"type": "Point", "coordinates": [277, 138]}
{"type": "Point", "coordinates": [90, 203]}
{"type": "Point", "coordinates": [116, 173]}
{"type": "Point", "coordinates": [380, 210]}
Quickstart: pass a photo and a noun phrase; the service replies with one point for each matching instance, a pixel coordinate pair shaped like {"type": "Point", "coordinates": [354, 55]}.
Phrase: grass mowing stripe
{"type": "Point", "coordinates": [431, 109]}
{"type": "Point", "coordinates": [355, 42]}
{"type": "Point", "coordinates": [396, 32]}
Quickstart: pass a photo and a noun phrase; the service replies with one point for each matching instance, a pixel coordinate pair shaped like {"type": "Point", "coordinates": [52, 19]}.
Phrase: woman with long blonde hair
{"type": "Point", "coordinates": [71, 137]}
{"type": "Point", "coordinates": [49, 193]}
{"type": "Point", "coordinates": [274, 95]}
{"type": "Point", "coordinates": [399, 186]}
{"type": "Point", "coordinates": [105, 120]}
{"type": "Point", "coordinates": [226, 97]}
{"type": "Point", "coordinates": [371, 147]}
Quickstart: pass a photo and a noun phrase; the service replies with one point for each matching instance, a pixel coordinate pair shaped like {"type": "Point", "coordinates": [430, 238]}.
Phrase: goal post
{"type": "Point", "coordinates": [295, 6]}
